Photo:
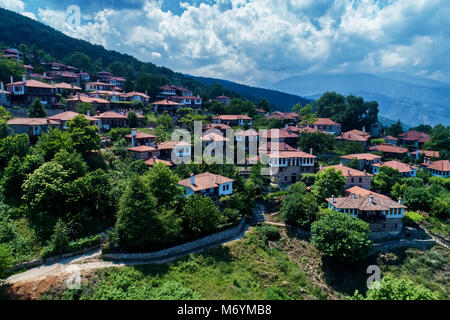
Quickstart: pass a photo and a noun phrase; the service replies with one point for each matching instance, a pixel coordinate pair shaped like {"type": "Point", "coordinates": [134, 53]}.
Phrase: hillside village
{"type": "Point", "coordinates": [82, 156]}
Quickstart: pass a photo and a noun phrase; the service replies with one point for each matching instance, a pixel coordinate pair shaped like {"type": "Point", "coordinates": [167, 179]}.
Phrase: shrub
{"type": "Point", "coordinates": [275, 293]}
{"type": "Point", "coordinates": [412, 217]}
{"type": "Point", "coordinates": [231, 214]}
{"type": "Point", "coordinates": [299, 209]}
{"type": "Point", "coordinates": [6, 260]}
{"type": "Point", "coordinates": [272, 233]}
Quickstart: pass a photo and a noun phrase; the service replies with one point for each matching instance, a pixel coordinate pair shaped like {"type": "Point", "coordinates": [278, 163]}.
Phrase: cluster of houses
{"type": "Point", "coordinates": [286, 162]}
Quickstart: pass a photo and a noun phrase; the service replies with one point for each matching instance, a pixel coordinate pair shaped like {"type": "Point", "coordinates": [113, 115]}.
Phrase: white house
{"type": "Point", "coordinates": [207, 184]}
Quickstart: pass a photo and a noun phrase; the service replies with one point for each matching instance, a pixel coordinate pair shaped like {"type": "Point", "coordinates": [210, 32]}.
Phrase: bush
{"type": "Point", "coordinates": [412, 217]}
{"type": "Point", "coordinates": [272, 233]}
{"type": "Point", "coordinates": [440, 208]}
{"type": "Point", "coordinates": [299, 209]}
{"type": "Point", "coordinates": [341, 236]}
{"type": "Point", "coordinates": [275, 293]}
{"type": "Point", "coordinates": [231, 215]}
{"type": "Point", "coordinates": [6, 260]}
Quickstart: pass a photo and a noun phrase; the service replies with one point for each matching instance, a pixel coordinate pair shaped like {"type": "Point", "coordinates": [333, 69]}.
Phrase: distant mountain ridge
{"type": "Point", "coordinates": [278, 100]}
{"type": "Point", "coordinates": [413, 100]}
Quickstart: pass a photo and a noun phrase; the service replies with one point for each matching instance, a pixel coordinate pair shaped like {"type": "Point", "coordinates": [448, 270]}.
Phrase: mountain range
{"type": "Point", "coordinates": [413, 100]}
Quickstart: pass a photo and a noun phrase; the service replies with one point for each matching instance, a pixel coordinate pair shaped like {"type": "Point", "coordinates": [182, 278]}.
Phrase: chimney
{"type": "Point", "coordinates": [192, 179]}
{"type": "Point", "coordinates": [12, 79]}
{"type": "Point", "coordinates": [2, 88]}
{"type": "Point", "coordinates": [364, 130]}
{"type": "Point", "coordinates": [371, 199]}
{"type": "Point", "coordinates": [24, 79]}
{"type": "Point", "coordinates": [311, 151]}
{"type": "Point", "coordinates": [400, 200]}
{"type": "Point", "coordinates": [332, 199]}
{"type": "Point", "coordinates": [45, 74]}
{"type": "Point", "coordinates": [417, 154]}
{"type": "Point", "coordinates": [89, 113]}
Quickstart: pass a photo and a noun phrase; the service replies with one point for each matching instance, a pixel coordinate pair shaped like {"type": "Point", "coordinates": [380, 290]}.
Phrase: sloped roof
{"type": "Point", "coordinates": [364, 203]}
{"type": "Point", "coordinates": [389, 148]}
{"type": "Point", "coordinates": [141, 135]}
{"type": "Point", "coordinates": [397, 165]}
{"type": "Point", "coordinates": [69, 115]}
{"type": "Point", "coordinates": [232, 117]}
{"type": "Point", "coordinates": [442, 165]}
{"type": "Point", "coordinates": [280, 133]}
{"type": "Point", "coordinates": [67, 86]}
{"type": "Point", "coordinates": [152, 161]}
{"type": "Point", "coordinates": [413, 135]}
{"type": "Point", "coordinates": [361, 156]}
{"type": "Point", "coordinates": [326, 122]}
{"type": "Point", "coordinates": [169, 145]}
{"type": "Point", "coordinates": [362, 192]}
{"type": "Point", "coordinates": [32, 121]}
{"type": "Point", "coordinates": [142, 149]}
{"type": "Point", "coordinates": [348, 172]}
{"type": "Point", "coordinates": [111, 115]}
{"type": "Point", "coordinates": [205, 181]}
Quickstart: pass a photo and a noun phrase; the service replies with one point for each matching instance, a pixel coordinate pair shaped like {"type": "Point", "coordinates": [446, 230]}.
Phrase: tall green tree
{"type": "Point", "coordinates": [138, 224]}
{"type": "Point", "coordinates": [200, 215]}
{"type": "Point", "coordinates": [6, 260]}
{"type": "Point", "coordinates": [13, 145]}
{"type": "Point", "coordinates": [386, 178]}
{"type": "Point", "coordinates": [163, 184]}
{"type": "Point", "coordinates": [328, 183]}
{"type": "Point", "coordinates": [84, 136]}
{"type": "Point", "coordinates": [299, 209]}
{"type": "Point", "coordinates": [37, 109]}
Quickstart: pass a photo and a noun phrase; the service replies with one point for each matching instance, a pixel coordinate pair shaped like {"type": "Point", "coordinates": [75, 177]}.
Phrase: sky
{"type": "Point", "coordinates": [260, 42]}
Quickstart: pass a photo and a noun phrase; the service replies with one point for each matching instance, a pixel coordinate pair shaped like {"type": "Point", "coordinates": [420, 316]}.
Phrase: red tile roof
{"type": "Point", "coordinates": [69, 115]}
{"type": "Point", "coordinates": [33, 84]}
{"type": "Point", "coordinates": [247, 133]}
{"type": "Point", "coordinates": [348, 172]}
{"type": "Point", "coordinates": [413, 136]}
{"type": "Point", "coordinates": [167, 102]}
{"type": "Point", "coordinates": [205, 181]}
{"type": "Point", "coordinates": [430, 153]}
{"type": "Point", "coordinates": [233, 117]}
{"type": "Point", "coordinates": [169, 145]}
{"type": "Point", "coordinates": [213, 136]}
{"type": "Point", "coordinates": [366, 203]}
{"type": "Point", "coordinates": [152, 161]}
{"type": "Point", "coordinates": [361, 156]}
{"type": "Point", "coordinates": [219, 126]}
{"type": "Point", "coordinates": [64, 85]}
{"type": "Point", "coordinates": [32, 121]}
{"type": "Point", "coordinates": [141, 135]}
{"type": "Point", "coordinates": [362, 192]}
{"type": "Point", "coordinates": [277, 133]}
{"type": "Point", "coordinates": [397, 165]}
{"type": "Point", "coordinates": [111, 115]}
{"type": "Point", "coordinates": [326, 122]}
{"type": "Point", "coordinates": [389, 148]}
{"type": "Point", "coordinates": [442, 165]}
{"type": "Point", "coordinates": [142, 149]}
{"type": "Point", "coordinates": [290, 154]}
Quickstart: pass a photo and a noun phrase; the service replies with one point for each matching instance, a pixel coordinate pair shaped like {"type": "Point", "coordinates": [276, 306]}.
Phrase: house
{"type": "Point", "coordinates": [166, 92]}
{"type": "Point", "coordinates": [168, 150]}
{"type": "Point", "coordinates": [135, 96]}
{"type": "Point", "coordinates": [66, 88]}
{"type": "Point", "coordinates": [117, 81]}
{"type": "Point", "coordinates": [94, 86]}
{"type": "Point", "coordinates": [233, 120]}
{"type": "Point", "coordinates": [385, 216]}
{"type": "Point", "coordinates": [366, 160]}
{"type": "Point", "coordinates": [391, 140]}
{"type": "Point", "coordinates": [12, 54]}
{"type": "Point", "coordinates": [426, 153]}
{"type": "Point", "coordinates": [354, 177]}
{"type": "Point", "coordinates": [376, 129]}
{"type": "Point", "coordinates": [167, 105]}
{"type": "Point", "coordinates": [278, 135]}
{"type": "Point", "coordinates": [216, 139]}
{"type": "Point", "coordinates": [390, 151]}
{"type": "Point", "coordinates": [355, 135]}
{"type": "Point", "coordinates": [328, 125]}
{"type": "Point", "coordinates": [406, 170]}
{"type": "Point", "coordinates": [84, 76]}
{"type": "Point", "coordinates": [137, 138]}
{"type": "Point", "coordinates": [247, 138]}
{"type": "Point", "coordinates": [439, 168]}
{"type": "Point", "coordinates": [413, 138]}
{"type": "Point", "coordinates": [143, 152]}
{"type": "Point", "coordinates": [217, 126]}
{"type": "Point", "coordinates": [224, 100]}
{"type": "Point", "coordinates": [98, 104]}
{"type": "Point", "coordinates": [104, 76]}
{"type": "Point", "coordinates": [65, 76]}
{"type": "Point", "coordinates": [111, 119]}
{"type": "Point", "coordinates": [67, 116]}
{"type": "Point", "coordinates": [358, 191]}
{"type": "Point", "coordinates": [25, 91]}
{"type": "Point", "coordinates": [207, 184]}
{"type": "Point", "coordinates": [34, 127]}
{"type": "Point", "coordinates": [5, 96]}
{"type": "Point", "coordinates": [286, 167]}
{"type": "Point", "coordinates": [261, 112]}
{"type": "Point", "coordinates": [290, 118]}
{"type": "Point", "coordinates": [188, 101]}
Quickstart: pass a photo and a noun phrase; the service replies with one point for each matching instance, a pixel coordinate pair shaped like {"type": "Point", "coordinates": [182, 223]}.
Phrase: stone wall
{"type": "Point", "coordinates": [22, 112]}
{"type": "Point", "coordinates": [222, 236]}
{"type": "Point", "coordinates": [387, 246]}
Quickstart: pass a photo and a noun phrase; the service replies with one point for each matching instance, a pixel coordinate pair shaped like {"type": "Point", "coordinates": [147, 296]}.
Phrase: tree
{"type": "Point", "coordinates": [299, 209]}
{"type": "Point", "coordinates": [138, 224]}
{"type": "Point", "coordinates": [200, 215]}
{"type": "Point", "coordinates": [160, 134]}
{"type": "Point", "coordinates": [84, 107]}
{"type": "Point", "coordinates": [133, 120]}
{"type": "Point", "coordinates": [418, 199]}
{"type": "Point", "coordinates": [37, 109]}
{"type": "Point", "coordinates": [165, 121]}
{"type": "Point", "coordinates": [84, 136]}
{"type": "Point", "coordinates": [264, 105]}
{"type": "Point", "coordinates": [80, 60]}
{"type": "Point", "coordinates": [12, 181]}
{"type": "Point", "coordinates": [397, 288]}
{"type": "Point", "coordinates": [328, 183]}
{"type": "Point", "coordinates": [318, 141]}
{"type": "Point", "coordinates": [10, 68]}
{"type": "Point", "coordinates": [395, 129]}
{"type": "Point", "coordinates": [386, 179]}
{"type": "Point", "coordinates": [307, 114]}
{"type": "Point", "coordinates": [354, 164]}
{"type": "Point", "coordinates": [14, 145]}
{"type": "Point", "coordinates": [439, 138]}
{"type": "Point", "coordinates": [164, 185]}
{"type": "Point", "coordinates": [72, 163]}
{"type": "Point", "coordinates": [45, 190]}
{"type": "Point", "coordinates": [60, 240]}
{"type": "Point", "coordinates": [341, 236]}
{"type": "Point", "coordinates": [53, 141]}
{"type": "Point", "coordinates": [6, 260]}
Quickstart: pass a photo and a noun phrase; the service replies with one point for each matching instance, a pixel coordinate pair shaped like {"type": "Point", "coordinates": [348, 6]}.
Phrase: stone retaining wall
{"type": "Point", "coordinates": [387, 246]}
{"type": "Point", "coordinates": [222, 236]}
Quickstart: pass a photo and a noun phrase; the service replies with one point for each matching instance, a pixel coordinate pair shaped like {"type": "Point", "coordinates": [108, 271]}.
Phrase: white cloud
{"type": "Point", "coordinates": [261, 41]}
{"type": "Point", "coordinates": [17, 6]}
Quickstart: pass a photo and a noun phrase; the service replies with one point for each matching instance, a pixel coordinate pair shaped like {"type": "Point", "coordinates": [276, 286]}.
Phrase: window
{"type": "Point", "coordinates": [360, 179]}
